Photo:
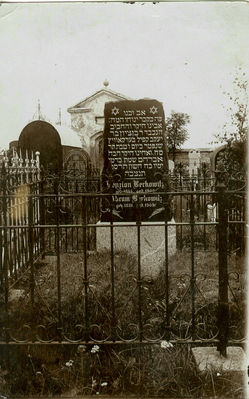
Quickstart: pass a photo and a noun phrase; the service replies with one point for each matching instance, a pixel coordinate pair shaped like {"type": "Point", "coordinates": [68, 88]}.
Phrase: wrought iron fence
{"type": "Point", "coordinates": [179, 310]}
{"type": "Point", "coordinates": [18, 214]}
{"type": "Point", "coordinates": [114, 300]}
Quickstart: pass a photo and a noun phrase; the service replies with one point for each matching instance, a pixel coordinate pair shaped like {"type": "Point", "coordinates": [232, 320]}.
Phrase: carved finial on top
{"type": "Point", "coordinates": [106, 83]}
{"type": "Point", "coordinates": [38, 115]}
{"type": "Point", "coordinates": [39, 110]}
{"type": "Point", "coordinates": [59, 118]}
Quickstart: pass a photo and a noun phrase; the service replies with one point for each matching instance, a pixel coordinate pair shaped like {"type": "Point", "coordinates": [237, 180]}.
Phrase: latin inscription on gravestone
{"type": "Point", "coordinates": [135, 154]}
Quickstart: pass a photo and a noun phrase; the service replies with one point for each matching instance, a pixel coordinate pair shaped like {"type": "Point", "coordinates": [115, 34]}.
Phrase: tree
{"type": "Point", "coordinates": [176, 131]}
{"type": "Point", "coordinates": [234, 134]}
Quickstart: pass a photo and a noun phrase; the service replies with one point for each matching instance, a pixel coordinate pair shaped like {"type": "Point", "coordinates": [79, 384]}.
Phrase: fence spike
{"type": "Point", "coordinates": [37, 156]}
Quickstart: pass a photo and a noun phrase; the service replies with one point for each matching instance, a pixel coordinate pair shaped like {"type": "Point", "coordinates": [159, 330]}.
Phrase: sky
{"type": "Point", "coordinates": [182, 54]}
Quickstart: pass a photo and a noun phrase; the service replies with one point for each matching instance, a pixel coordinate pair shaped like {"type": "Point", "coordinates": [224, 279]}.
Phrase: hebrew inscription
{"type": "Point", "coordinates": [135, 152]}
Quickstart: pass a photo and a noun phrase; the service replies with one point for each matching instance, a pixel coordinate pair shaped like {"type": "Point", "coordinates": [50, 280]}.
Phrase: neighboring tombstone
{"type": "Point", "coordinates": [218, 155]}
{"type": "Point", "coordinates": [135, 161]}
{"type": "Point", "coordinates": [171, 166]}
{"type": "Point", "coordinates": [135, 157]}
{"type": "Point", "coordinates": [194, 161]}
{"type": "Point", "coordinates": [43, 137]}
{"type": "Point", "coordinates": [211, 212]}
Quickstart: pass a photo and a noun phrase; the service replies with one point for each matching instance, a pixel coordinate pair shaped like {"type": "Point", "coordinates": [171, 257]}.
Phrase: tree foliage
{"type": "Point", "coordinates": [234, 133]}
{"type": "Point", "coordinates": [176, 131]}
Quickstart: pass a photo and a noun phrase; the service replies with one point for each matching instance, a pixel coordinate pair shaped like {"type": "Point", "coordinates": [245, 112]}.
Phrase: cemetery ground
{"type": "Point", "coordinates": [156, 369]}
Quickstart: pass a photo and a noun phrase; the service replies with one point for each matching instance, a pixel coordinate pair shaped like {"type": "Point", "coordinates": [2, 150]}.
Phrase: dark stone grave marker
{"type": "Point", "coordinates": [135, 154]}
{"type": "Point", "coordinates": [43, 137]}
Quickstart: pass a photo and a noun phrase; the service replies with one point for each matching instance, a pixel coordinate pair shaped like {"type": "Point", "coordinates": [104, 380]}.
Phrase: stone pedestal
{"type": "Point", "coordinates": [152, 241]}
{"type": "Point", "coordinates": [210, 358]}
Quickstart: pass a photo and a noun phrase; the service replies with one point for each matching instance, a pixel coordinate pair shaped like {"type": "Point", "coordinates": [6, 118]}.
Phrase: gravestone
{"type": "Point", "coordinates": [43, 137]}
{"type": "Point", "coordinates": [135, 155]}
{"type": "Point", "coordinates": [135, 160]}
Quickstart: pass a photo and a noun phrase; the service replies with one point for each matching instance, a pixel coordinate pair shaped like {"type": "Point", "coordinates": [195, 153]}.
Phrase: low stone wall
{"type": "Point", "coordinates": [152, 241]}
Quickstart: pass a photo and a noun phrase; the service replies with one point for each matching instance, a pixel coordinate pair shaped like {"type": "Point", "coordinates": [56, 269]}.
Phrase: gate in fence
{"type": "Point", "coordinates": [112, 300]}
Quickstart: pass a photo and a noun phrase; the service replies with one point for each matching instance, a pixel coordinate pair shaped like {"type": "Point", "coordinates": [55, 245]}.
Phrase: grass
{"type": "Point", "coordinates": [144, 371]}
{"type": "Point", "coordinates": [152, 369]}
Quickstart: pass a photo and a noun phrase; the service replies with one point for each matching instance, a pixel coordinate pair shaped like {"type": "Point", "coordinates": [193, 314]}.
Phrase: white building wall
{"type": "Point", "coordinates": [87, 119]}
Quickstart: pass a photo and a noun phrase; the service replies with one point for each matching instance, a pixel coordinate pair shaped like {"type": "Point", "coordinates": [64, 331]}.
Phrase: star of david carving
{"type": "Point", "coordinates": [115, 111]}
{"type": "Point", "coordinates": [153, 110]}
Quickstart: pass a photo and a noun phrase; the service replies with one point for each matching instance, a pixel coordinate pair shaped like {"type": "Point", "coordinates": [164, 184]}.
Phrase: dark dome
{"type": "Point", "coordinates": [43, 137]}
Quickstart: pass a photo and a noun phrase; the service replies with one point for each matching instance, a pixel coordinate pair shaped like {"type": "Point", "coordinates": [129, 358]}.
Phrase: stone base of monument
{"type": "Point", "coordinates": [210, 358]}
{"type": "Point", "coordinates": [152, 242]}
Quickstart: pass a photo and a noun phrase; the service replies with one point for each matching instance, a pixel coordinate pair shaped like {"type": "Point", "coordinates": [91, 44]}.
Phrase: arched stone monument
{"type": "Point", "coordinates": [43, 137]}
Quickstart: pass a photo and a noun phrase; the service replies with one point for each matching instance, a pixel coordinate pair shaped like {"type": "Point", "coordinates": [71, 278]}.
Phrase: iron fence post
{"type": "Point", "coordinates": [139, 272]}
{"type": "Point", "coordinates": [192, 281]}
{"type": "Point", "coordinates": [166, 203]}
{"type": "Point", "coordinates": [31, 244]}
{"type": "Point", "coordinates": [204, 205]}
{"type": "Point", "coordinates": [5, 248]}
{"type": "Point", "coordinates": [113, 313]}
{"type": "Point", "coordinates": [57, 244]}
{"type": "Point", "coordinates": [42, 213]}
{"type": "Point", "coordinates": [223, 308]}
{"type": "Point", "coordinates": [1, 245]}
{"type": "Point", "coordinates": [85, 267]}
{"type": "Point", "coordinates": [5, 237]}
{"type": "Point", "coordinates": [181, 205]}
